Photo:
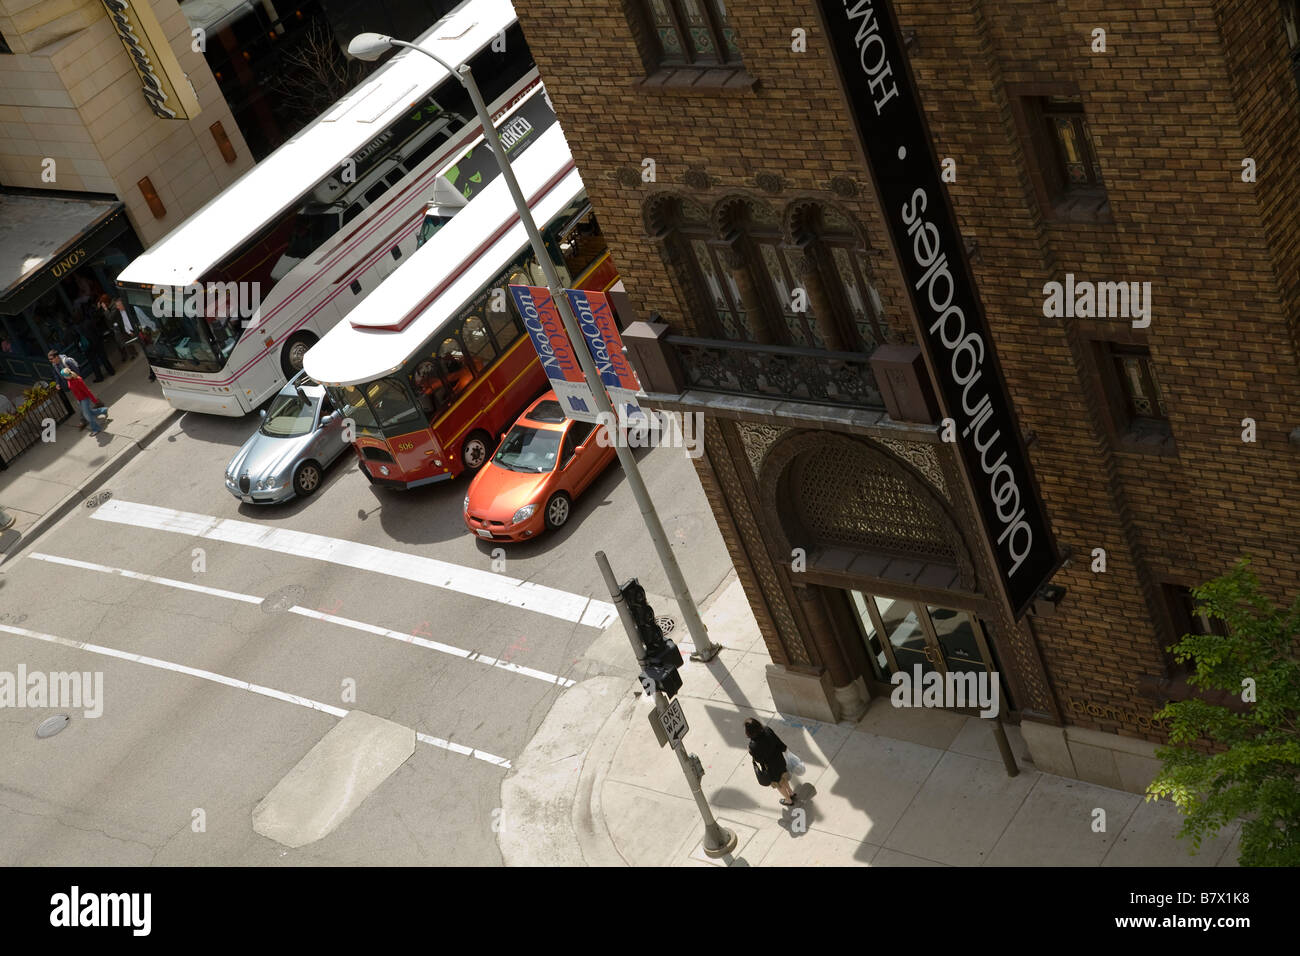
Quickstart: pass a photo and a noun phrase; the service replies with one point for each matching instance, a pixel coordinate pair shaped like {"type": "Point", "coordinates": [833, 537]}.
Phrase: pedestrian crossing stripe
{"type": "Point", "coordinates": [489, 585]}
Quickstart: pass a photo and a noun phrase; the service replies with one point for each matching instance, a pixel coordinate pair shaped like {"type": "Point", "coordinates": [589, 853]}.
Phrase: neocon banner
{"type": "Point", "coordinates": [952, 330]}
{"type": "Point", "coordinates": [546, 329]}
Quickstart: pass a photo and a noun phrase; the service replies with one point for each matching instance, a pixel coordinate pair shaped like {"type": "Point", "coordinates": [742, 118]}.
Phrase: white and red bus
{"type": "Point", "coordinates": [436, 364]}
{"type": "Point", "coordinates": [230, 301]}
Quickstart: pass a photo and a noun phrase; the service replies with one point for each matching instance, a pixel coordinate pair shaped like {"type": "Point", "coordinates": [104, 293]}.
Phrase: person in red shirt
{"type": "Point", "coordinates": [91, 407]}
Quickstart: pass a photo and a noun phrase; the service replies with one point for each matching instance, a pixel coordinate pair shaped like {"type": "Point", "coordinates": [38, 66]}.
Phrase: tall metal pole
{"type": "Point", "coordinates": [705, 649]}
{"type": "Point", "coordinates": [718, 840]}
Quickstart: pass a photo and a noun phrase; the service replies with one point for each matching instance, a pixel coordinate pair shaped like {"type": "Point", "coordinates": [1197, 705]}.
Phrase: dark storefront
{"type": "Point", "coordinates": [39, 309]}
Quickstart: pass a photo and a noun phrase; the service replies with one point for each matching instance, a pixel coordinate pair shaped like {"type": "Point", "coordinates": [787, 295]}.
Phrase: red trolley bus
{"type": "Point", "coordinates": [435, 364]}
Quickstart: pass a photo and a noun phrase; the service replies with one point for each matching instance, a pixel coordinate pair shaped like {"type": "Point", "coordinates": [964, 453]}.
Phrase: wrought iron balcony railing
{"type": "Point", "coordinates": [777, 371]}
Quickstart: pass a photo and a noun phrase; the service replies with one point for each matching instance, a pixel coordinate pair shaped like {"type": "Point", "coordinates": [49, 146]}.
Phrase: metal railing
{"type": "Point", "coordinates": [777, 371]}
{"type": "Point", "coordinates": [25, 431]}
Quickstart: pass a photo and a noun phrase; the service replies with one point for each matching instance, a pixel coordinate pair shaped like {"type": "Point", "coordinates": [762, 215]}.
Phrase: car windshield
{"type": "Point", "coordinates": [288, 417]}
{"type": "Point", "coordinates": [530, 450]}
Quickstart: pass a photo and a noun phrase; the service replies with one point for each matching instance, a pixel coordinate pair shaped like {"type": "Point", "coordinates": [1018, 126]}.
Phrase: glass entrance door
{"type": "Point", "coordinates": [900, 635]}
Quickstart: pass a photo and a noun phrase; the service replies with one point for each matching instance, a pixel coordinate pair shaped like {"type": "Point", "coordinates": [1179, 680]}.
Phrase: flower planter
{"type": "Point", "coordinates": [25, 428]}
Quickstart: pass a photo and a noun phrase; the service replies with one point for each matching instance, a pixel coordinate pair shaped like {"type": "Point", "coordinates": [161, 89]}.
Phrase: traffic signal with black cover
{"type": "Point", "coordinates": [662, 658]}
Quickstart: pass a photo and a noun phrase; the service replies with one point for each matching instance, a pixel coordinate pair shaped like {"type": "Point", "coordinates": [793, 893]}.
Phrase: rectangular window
{"type": "Point", "coordinates": [1137, 376]}
{"type": "Point", "coordinates": [1076, 160]}
{"type": "Point", "coordinates": [1134, 399]}
{"type": "Point", "coordinates": [691, 33]}
{"type": "Point", "coordinates": [1180, 605]}
{"type": "Point", "coordinates": [1186, 619]}
{"type": "Point", "coordinates": [1062, 155]}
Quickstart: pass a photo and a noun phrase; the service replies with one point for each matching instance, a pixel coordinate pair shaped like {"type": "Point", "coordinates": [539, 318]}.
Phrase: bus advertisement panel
{"type": "Point", "coordinates": [546, 330]}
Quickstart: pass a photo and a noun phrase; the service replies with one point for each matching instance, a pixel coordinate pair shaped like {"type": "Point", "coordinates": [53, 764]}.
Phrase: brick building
{"type": "Point", "coordinates": [719, 147]}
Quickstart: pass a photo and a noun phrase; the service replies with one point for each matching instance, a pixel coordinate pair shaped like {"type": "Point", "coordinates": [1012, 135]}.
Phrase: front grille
{"type": "Point", "coordinates": [244, 484]}
{"type": "Point", "coordinates": [371, 453]}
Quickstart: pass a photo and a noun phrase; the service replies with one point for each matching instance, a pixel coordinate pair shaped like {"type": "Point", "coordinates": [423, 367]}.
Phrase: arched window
{"type": "Point", "coordinates": [743, 277]}
{"type": "Point", "coordinates": [699, 263]}
{"type": "Point", "coordinates": [845, 272]}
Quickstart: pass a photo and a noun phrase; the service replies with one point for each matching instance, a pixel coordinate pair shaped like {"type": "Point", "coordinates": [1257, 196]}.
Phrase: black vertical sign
{"type": "Point", "coordinates": [951, 327]}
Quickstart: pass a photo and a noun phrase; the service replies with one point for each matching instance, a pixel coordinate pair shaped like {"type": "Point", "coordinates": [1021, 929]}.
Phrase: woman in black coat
{"type": "Point", "coordinates": [768, 752]}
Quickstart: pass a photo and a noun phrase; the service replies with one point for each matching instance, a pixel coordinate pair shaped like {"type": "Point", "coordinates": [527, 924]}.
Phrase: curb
{"type": "Point", "coordinates": [539, 794]}
{"type": "Point", "coordinates": [93, 483]}
{"type": "Point", "coordinates": [594, 839]}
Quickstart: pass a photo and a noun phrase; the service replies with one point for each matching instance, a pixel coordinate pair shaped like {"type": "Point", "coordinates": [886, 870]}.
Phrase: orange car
{"type": "Point", "coordinates": [543, 463]}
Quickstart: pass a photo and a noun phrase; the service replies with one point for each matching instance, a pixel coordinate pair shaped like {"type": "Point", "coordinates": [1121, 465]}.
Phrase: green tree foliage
{"type": "Point", "coordinates": [1255, 774]}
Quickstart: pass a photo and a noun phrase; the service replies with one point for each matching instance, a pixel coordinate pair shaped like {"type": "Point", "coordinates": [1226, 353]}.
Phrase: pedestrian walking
{"type": "Point", "coordinates": [59, 362]}
{"type": "Point", "coordinates": [112, 320]}
{"type": "Point", "coordinates": [120, 318]}
{"type": "Point", "coordinates": [768, 752]}
{"type": "Point", "coordinates": [92, 340]}
{"type": "Point", "coordinates": [92, 409]}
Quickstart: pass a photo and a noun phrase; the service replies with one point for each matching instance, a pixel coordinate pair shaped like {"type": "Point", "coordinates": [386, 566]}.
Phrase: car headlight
{"type": "Point", "coordinates": [523, 514]}
{"type": "Point", "coordinates": [467, 502]}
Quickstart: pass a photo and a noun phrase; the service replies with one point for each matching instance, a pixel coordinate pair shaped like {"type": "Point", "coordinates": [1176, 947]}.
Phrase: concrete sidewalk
{"type": "Point", "coordinates": [47, 481]}
{"type": "Point", "coordinates": [899, 788]}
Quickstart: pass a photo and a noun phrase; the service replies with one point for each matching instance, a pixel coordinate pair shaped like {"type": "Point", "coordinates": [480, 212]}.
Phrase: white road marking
{"type": "Point", "coordinates": [241, 685]}
{"type": "Point", "coordinates": [152, 579]}
{"type": "Point", "coordinates": [432, 645]}
{"type": "Point", "coordinates": [318, 615]}
{"type": "Point", "coordinates": [488, 585]}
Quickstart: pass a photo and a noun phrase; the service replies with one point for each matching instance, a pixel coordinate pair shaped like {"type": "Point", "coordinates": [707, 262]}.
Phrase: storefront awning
{"type": "Point", "coordinates": [44, 239]}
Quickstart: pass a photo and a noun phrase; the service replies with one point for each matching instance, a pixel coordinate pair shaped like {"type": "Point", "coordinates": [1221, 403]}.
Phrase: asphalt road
{"type": "Point", "coordinates": [284, 639]}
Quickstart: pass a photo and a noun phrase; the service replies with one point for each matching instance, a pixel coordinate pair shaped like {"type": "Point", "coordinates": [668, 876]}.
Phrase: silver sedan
{"type": "Point", "coordinates": [300, 434]}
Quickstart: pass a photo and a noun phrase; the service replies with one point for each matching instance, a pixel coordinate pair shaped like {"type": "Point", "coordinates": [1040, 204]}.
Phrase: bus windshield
{"type": "Point", "coordinates": [530, 450]}
{"type": "Point", "coordinates": [384, 406]}
{"type": "Point", "coordinates": [188, 343]}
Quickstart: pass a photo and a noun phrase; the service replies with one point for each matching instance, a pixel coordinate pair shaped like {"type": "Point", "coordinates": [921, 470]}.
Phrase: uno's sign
{"type": "Point", "coordinates": [166, 88]}
{"type": "Point", "coordinates": [951, 326]}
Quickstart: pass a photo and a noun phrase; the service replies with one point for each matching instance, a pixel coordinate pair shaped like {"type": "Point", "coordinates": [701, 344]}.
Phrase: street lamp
{"type": "Point", "coordinates": [370, 46]}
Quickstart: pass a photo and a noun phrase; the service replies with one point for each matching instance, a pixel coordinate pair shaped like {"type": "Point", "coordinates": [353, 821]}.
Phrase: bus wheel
{"type": "Point", "coordinates": [294, 350]}
{"type": "Point", "coordinates": [474, 453]}
{"type": "Point", "coordinates": [306, 479]}
{"type": "Point", "coordinates": [558, 510]}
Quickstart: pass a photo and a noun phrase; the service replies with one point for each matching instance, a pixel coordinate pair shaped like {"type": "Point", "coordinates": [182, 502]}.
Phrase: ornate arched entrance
{"type": "Point", "coordinates": [878, 559]}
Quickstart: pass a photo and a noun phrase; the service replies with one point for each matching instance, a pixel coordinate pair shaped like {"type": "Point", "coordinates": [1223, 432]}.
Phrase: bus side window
{"type": "Point", "coordinates": [504, 325]}
{"type": "Point", "coordinates": [352, 212]}
{"type": "Point", "coordinates": [430, 383]}
{"type": "Point", "coordinates": [424, 151]}
{"type": "Point", "coordinates": [459, 371]}
{"type": "Point", "coordinates": [479, 343]}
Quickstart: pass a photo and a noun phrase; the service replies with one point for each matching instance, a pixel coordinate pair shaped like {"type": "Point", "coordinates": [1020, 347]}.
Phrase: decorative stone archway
{"type": "Point", "coordinates": [891, 510]}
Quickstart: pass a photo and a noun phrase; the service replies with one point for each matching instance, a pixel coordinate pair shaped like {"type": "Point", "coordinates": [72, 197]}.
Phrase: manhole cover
{"type": "Point", "coordinates": [284, 598]}
{"type": "Point", "coordinates": [52, 725]}
{"type": "Point", "coordinates": [665, 623]}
